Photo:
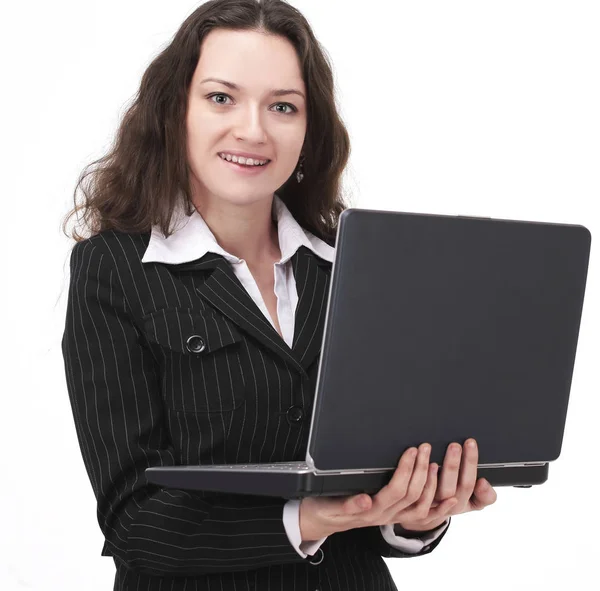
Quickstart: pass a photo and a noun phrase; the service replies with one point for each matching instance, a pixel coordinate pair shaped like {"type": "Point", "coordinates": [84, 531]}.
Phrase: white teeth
{"type": "Point", "coordinates": [242, 160]}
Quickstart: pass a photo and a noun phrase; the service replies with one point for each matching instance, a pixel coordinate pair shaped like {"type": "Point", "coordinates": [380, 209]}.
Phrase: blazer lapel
{"type": "Point", "coordinates": [223, 290]}
{"type": "Point", "coordinates": [312, 275]}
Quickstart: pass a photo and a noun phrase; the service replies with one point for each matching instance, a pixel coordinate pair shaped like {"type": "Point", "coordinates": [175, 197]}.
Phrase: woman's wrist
{"type": "Point", "coordinates": [310, 529]}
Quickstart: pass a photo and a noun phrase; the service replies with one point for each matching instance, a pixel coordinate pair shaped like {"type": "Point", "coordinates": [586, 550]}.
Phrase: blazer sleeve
{"type": "Point", "coordinates": [373, 537]}
{"type": "Point", "coordinates": [113, 387]}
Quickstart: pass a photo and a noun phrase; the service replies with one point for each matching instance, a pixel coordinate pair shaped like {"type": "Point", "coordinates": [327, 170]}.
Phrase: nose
{"type": "Point", "coordinates": [250, 126]}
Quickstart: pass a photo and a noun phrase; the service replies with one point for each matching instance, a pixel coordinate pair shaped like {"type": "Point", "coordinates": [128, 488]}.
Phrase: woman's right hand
{"type": "Point", "coordinates": [411, 488]}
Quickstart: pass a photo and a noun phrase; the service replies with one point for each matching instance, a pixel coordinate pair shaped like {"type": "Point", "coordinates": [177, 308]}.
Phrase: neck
{"type": "Point", "coordinates": [247, 232]}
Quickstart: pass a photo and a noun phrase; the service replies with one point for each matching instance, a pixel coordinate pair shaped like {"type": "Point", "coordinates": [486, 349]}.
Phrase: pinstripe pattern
{"type": "Point", "coordinates": [141, 398]}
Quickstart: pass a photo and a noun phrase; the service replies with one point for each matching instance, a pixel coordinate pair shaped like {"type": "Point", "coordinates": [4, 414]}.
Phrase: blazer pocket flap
{"type": "Point", "coordinates": [189, 331]}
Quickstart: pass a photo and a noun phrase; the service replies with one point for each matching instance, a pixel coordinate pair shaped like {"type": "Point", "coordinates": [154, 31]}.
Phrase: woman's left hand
{"type": "Point", "coordinates": [458, 481]}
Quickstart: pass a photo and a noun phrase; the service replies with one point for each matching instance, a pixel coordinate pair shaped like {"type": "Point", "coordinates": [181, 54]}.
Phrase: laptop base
{"type": "Point", "coordinates": [290, 483]}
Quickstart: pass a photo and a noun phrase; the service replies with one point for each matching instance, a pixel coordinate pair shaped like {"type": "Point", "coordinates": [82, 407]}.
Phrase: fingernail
{"type": "Point", "coordinates": [485, 485]}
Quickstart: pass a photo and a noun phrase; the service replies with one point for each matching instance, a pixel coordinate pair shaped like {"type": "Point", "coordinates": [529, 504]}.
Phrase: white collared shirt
{"type": "Point", "coordinates": [192, 241]}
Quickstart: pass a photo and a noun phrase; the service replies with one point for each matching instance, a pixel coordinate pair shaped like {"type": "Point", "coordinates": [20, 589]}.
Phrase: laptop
{"type": "Point", "coordinates": [438, 328]}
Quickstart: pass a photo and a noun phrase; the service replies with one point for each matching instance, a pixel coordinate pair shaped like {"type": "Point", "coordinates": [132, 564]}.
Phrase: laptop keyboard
{"type": "Point", "coordinates": [284, 466]}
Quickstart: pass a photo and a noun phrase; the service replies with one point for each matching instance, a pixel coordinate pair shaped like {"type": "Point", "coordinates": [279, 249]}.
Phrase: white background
{"type": "Point", "coordinates": [474, 108]}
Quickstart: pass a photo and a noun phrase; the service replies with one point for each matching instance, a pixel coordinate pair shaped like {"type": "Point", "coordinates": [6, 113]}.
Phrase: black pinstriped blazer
{"type": "Point", "coordinates": [140, 397]}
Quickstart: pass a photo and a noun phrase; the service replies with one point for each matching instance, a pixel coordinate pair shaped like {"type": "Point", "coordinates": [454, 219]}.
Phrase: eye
{"type": "Point", "coordinates": [210, 96]}
{"type": "Point", "coordinates": [290, 106]}
{"type": "Point", "coordinates": [215, 94]}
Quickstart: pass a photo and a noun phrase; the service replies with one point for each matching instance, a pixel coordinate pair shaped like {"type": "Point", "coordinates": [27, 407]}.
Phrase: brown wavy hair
{"type": "Point", "coordinates": [137, 183]}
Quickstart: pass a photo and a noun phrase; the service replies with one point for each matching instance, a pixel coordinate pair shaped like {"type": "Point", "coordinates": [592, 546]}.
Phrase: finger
{"type": "Point", "coordinates": [484, 495]}
{"type": "Point", "coordinates": [356, 504]}
{"type": "Point", "coordinates": [468, 472]}
{"type": "Point", "coordinates": [396, 489]}
{"type": "Point", "coordinates": [435, 517]}
{"type": "Point", "coordinates": [419, 475]}
{"type": "Point", "coordinates": [442, 511]}
{"type": "Point", "coordinates": [431, 486]}
{"type": "Point", "coordinates": [448, 477]}
{"type": "Point", "coordinates": [423, 506]}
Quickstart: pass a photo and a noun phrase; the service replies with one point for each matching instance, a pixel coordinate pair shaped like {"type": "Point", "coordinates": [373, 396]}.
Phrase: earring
{"type": "Point", "coordinates": [300, 174]}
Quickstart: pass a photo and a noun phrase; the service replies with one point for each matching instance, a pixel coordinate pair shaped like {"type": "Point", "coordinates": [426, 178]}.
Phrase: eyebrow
{"type": "Point", "coordinates": [278, 92]}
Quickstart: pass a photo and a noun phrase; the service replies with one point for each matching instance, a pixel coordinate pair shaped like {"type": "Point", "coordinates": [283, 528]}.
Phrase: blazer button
{"type": "Point", "coordinates": [320, 559]}
{"type": "Point", "coordinates": [195, 344]}
{"type": "Point", "coordinates": [294, 414]}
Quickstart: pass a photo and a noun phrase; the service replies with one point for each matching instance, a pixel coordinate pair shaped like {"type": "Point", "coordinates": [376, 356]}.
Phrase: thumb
{"type": "Point", "coordinates": [357, 504]}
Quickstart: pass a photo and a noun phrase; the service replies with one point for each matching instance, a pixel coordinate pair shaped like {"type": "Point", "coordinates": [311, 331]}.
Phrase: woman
{"type": "Point", "coordinates": [198, 342]}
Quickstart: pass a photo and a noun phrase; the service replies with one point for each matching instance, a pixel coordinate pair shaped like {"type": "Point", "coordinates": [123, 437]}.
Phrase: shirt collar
{"type": "Point", "coordinates": [193, 239]}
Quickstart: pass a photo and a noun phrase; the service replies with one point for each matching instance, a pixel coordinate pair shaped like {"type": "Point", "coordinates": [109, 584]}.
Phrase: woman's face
{"type": "Point", "coordinates": [250, 118]}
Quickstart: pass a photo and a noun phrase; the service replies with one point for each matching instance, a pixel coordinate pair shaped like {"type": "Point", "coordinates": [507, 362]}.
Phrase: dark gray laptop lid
{"type": "Point", "coordinates": [442, 328]}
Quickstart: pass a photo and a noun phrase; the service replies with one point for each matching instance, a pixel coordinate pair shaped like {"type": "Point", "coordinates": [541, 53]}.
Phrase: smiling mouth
{"type": "Point", "coordinates": [244, 169]}
{"type": "Point", "coordinates": [245, 165]}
